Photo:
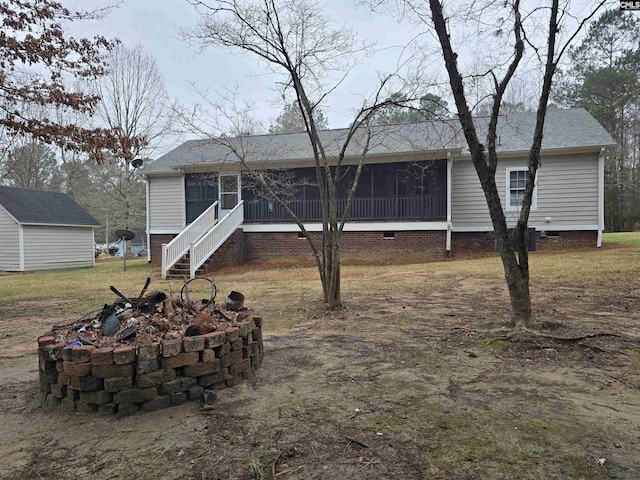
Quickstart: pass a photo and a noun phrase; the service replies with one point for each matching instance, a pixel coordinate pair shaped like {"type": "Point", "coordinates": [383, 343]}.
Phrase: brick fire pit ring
{"type": "Point", "coordinates": [127, 379]}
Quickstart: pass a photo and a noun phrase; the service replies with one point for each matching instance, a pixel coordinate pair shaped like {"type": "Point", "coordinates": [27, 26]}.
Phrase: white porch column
{"type": "Point", "coordinates": [449, 222]}
{"type": "Point", "coordinates": [148, 189]}
{"type": "Point", "coordinates": [601, 158]}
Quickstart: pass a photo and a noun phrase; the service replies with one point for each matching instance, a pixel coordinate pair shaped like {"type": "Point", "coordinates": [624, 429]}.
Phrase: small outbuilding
{"type": "Point", "coordinates": [44, 230]}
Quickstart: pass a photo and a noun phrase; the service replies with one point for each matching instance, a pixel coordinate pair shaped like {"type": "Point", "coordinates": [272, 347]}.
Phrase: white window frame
{"type": "Point", "coordinates": [507, 184]}
{"type": "Point", "coordinates": [221, 193]}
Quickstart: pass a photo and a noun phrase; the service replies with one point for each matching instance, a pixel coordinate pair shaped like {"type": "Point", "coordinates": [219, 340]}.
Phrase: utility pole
{"type": "Point", "coordinates": [106, 238]}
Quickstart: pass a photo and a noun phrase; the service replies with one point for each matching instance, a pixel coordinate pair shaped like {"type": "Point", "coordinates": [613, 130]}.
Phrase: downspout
{"type": "Point", "coordinates": [600, 196]}
{"type": "Point", "coordinates": [449, 223]}
{"type": "Point", "coordinates": [184, 201]}
{"type": "Point", "coordinates": [21, 247]}
{"type": "Point", "coordinates": [148, 221]}
{"type": "Point", "coordinates": [93, 244]}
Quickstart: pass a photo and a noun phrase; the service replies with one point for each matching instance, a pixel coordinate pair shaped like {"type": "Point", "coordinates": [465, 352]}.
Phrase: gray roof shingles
{"type": "Point", "coordinates": [570, 128]}
{"type": "Point", "coordinates": [36, 206]}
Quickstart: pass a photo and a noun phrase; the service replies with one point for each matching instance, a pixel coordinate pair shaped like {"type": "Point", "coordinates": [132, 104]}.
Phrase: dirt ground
{"type": "Point", "coordinates": [410, 381]}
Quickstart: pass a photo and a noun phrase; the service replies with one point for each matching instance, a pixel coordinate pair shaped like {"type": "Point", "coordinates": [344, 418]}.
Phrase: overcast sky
{"type": "Point", "coordinates": [154, 25]}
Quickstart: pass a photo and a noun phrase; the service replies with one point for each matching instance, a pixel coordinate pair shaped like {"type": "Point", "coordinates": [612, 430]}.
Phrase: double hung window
{"type": "Point", "coordinates": [516, 182]}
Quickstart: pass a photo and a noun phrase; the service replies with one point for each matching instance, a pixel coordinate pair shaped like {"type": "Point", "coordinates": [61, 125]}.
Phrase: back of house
{"type": "Point", "coordinates": [418, 196]}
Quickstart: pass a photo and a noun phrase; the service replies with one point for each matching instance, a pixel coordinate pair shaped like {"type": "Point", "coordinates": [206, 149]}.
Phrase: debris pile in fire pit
{"type": "Point", "coordinates": [153, 316]}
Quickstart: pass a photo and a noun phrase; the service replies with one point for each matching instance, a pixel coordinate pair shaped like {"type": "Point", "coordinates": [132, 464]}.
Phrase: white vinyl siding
{"type": "Point", "coordinates": [9, 242]}
{"type": "Point", "coordinates": [49, 247]}
{"type": "Point", "coordinates": [166, 204]}
{"type": "Point", "coordinates": [567, 193]}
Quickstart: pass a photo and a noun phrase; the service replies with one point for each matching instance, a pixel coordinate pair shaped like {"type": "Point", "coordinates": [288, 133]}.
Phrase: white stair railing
{"type": "Point", "coordinates": [176, 248]}
{"type": "Point", "coordinates": [214, 238]}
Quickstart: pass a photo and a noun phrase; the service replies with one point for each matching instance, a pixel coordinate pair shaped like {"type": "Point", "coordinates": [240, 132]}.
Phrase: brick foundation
{"type": "Point", "coordinates": [484, 241]}
{"type": "Point", "coordinates": [364, 246]}
{"type": "Point", "coordinates": [130, 378]}
{"type": "Point", "coordinates": [155, 247]}
{"type": "Point", "coordinates": [354, 246]}
{"type": "Point", "coordinates": [569, 239]}
{"type": "Point", "coordinates": [231, 253]}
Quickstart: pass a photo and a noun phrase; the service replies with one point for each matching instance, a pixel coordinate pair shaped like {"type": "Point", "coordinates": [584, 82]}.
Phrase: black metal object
{"type": "Point", "coordinates": [530, 239]}
{"type": "Point", "coordinates": [125, 236]}
{"type": "Point", "coordinates": [128, 333]}
{"type": "Point", "coordinates": [184, 291]}
{"type": "Point", "coordinates": [235, 301]}
{"type": "Point", "coordinates": [109, 320]}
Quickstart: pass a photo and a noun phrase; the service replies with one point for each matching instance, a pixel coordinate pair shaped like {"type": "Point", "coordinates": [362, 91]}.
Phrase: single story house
{"type": "Point", "coordinates": [43, 230]}
{"type": "Point", "coordinates": [418, 195]}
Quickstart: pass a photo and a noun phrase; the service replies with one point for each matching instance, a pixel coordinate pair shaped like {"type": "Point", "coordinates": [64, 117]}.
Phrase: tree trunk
{"type": "Point", "coordinates": [331, 285]}
{"type": "Point", "coordinates": [518, 284]}
{"type": "Point", "coordinates": [333, 295]}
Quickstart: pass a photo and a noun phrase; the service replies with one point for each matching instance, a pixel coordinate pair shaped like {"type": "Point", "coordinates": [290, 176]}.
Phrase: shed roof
{"type": "Point", "coordinates": [36, 206]}
{"type": "Point", "coordinates": [564, 129]}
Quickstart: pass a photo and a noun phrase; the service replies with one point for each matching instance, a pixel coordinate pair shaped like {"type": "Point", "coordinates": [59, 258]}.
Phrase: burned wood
{"type": "Point", "coordinates": [86, 341]}
{"type": "Point", "coordinates": [218, 312]}
{"type": "Point", "coordinates": [118, 293]}
{"type": "Point", "coordinates": [144, 289]}
{"type": "Point", "coordinates": [168, 308]}
{"type": "Point", "coordinates": [155, 317]}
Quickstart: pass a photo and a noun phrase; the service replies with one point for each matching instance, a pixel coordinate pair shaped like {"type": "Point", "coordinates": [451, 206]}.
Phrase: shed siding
{"type": "Point", "coordinates": [166, 205]}
{"type": "Point", "coordinates": [567, 193]}
{"type": "Point", "coordinates": [9, 239]}
{"type": "Point", "coordinates": [49, 247]}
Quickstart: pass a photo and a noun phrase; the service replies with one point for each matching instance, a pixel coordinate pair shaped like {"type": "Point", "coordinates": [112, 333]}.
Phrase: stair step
{"type": "Point", "coordinates": [181, 271]}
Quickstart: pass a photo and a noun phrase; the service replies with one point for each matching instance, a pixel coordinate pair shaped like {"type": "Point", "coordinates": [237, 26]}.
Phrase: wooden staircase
{"type": "Point", "coordinates": [182, 269]}
{"type": "Point", "coordinates": [186, 254]}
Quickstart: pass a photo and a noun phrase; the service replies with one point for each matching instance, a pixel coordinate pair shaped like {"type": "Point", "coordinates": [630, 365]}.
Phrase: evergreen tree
{"type": "Point", "coordinates": [604, 78]}
{"type": "Point", "coordinates": [402, 110]}
{"type": "Point", "coordinates": [291, 121]}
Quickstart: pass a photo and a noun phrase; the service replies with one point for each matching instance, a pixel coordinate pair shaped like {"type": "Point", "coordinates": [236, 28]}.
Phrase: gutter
{"type": "Point", "coordinates": [59, 224]}
{"type": "Point", "coordinates": [507, 154]}
{"type": "Point", "coordinates": [370, 158]}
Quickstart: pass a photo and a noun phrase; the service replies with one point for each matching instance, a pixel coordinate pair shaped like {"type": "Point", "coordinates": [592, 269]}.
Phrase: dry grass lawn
{"type": "Point", "coordinates": [408, 381]}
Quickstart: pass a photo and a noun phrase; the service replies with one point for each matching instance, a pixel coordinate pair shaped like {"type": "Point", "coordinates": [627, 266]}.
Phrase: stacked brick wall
{"type": "Point", "coordinates": [372, 246]}
{"type": "Point", "coordinates": [127, 379]}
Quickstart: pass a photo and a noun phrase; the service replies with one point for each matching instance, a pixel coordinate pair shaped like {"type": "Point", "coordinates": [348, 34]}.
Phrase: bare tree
{"type": "Point", "coordinates": [37, 59]}
{"type": "Point", "coordinates": [133, 103]}
{"type": "Point", "coordinates": [33, 165]}
{"type": "Point", "coordinates": [515, 258]}
{"type": "Point", "coordinates": [118, 194]}
{"type": "Point", "coordinates": [296, 40]}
